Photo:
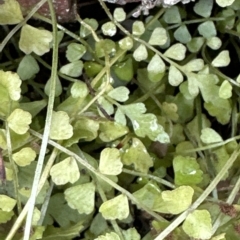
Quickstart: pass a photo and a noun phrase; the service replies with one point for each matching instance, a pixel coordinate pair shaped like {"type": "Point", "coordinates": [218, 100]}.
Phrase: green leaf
{"type": "Point", "coordinates": [175, 77]}
{"type": "Point", "coordinates": [35, 40]}
{"type": "Point", "coordinates": [195, 44]}
{"type": "Point", "coordinates": [11, 82]}
{"type": "Point", "coordinates": [222, 59]}
{"type": "Point", "coordinates": [24, 157]}
{"type": "Point", "coordinates": [34, 107]}
{"type": "Point", "coordinates": [73, 69]}
{"type": "Point", "coordinates": [148, 195]}
{"type": "Point", "coordinates": [124, 70]}
{"type": "Point", "coordinates": [224, 3]}
{"type": "Point", "coordinates": [81, 197]}
{"type": "Point", "coordinates": [98, 225]}
{"type": "Point", "coordinates": [92, 68]}
{"type": "Point", "coordinates": [169, 200]}
{"type": "Point", "coordinates": [214, 43]}
{"type": "Point", "coordinates": [131, 234]}
{"type": "Point", "coordinates": [156, 65]}
{"type": "Point", "coordinates": [109, 29]}
{"type": "Point", "coordinates": [105, 46]}
{"type": "Point", "coordinates": [110, 161]}
{"type": "Point", "coordinates": [65, 171]}
{"type": "Point", "coordinates": [120, 118]}
{"type": "Point", "coordinates": [75, 51]}
{"type": "Point", "coordinates": [6, 203]}
{"type": "Point", "coordinates": [58, 88]}
{"type": "Point", "coordinates": [225, 90]}
{"type": "Point", "coordinates": [119, 14]}
{"type": "Point", "coordinates": [198, 225]}
{"type": "Point", "coordinates": [27, 68]}
{"type": "Point", "coordinates": [108, 236]}
{"type": "Point", "coordinates": [79, 89]}
{"type": "Point", "coordinates": [5, 216]}
{"type": "Point", "coordinates": [126, 43]}
{"type": "Point", "coordinates": [182, 34]}
{"type": "Point", "coordinates": [137, 155]}
{"type": "Point", "coordinates": [145, 124]}
{"type": "Point", "coordinates": [140, 53]}
{"type": "Point", "coordinates": [172, 15]}
{"type": "Point", "coordinates": [10, 12]}
{"type": "Point", "coordinates": [194, 65]}
{"type": "Point", "coordinates": [176, 52]}
{"type": "Point", "coordinates": [208, 136]}
{"type": "Point", "coordinates": [116, 208]}
{"type": "Point", "coordinates": [203, 8]}
{"type": "Point", "coordinates": [19, 121]}
{"type": "Point", "coordinates": [60, 127]}
{"type": "Point", "coordinates": [84, 32]}
{"type": "Point", "coordinates": [138, 28]}
{"type": "Point", "coordinates": [159, 36]}
{"type": "Point", "coordinates": [109, 131]}
{"type": "Point", "coordinates": [207, 29]}
{"type": "Point", "coordinates": [84, 128]}
{"type": "Point", "coordinates": [186, 171]}
{"type": "Point", "coordinates": [120, 94]}
{"type": "Point", "coordinates": [106, 105]}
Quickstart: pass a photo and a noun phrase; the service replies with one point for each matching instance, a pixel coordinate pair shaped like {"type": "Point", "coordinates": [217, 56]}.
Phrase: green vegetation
{"type": "Point", "coordinates": [122, 128]}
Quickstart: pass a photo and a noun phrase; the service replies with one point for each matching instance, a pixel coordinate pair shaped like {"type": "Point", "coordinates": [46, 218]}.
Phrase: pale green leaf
{"type": "Point", "coordinates": [10, 12]}
{"type": "Point", "coordinates": [12, 83]}
{"type": "Point", "coordinates": [145, 124]}
{"type": "Point", "coordinates": [110, 131]}
{"type": "Point", "coordinates": [169, 200]}
{"type": "Point", "coordinates": [110, 161]}
{"type": "Point", "coordinates": [24, 157]}
{"type": "Point", "coordinates": [131, 234]}
{"type": "Point", "coordinates": [73, 69]}
{"type": "Point", "coordinates": [159, 36]}
{"type": "Point", "coordinates": [209, 135]}
{"type": "Point", "coordinates": [108, 236]}
{"type": "Point", "coordinates": [193, 87]}
{"type": "Point", "coordinates": [120, 94]}
{"type": "Point", "coordinates": [120, 118]}
{"type": "Point", "coordinates": [238, 78]}
{"type": "Point", "coordinates": [75, 51]}
{"type": "Point", "coordinates": [60, 127]}
{"type": "Point", "coordinates": [224, 3]}
{"type": "Point", "coordinates": [194, 65]}
{"type": "Point", "coordinates": [207, 29]}
{"type": "Point", "coordinates": [6, 203]}
{"type": "Point", "coordinates": [225, 90]}
{"type": "Point", "coordinates": [19, 121]}
{"type": "Point", "coordinates": [156, 65]}
{"type": "Point", "coordinates": [140, 53]}
{"type": "Point", "coordinates": [116, 208]}
{"type": "Point", "coordinates": [186, 171]}
{"type": "Point", "coordinates": [81, 197]}
{"type": "Point", "coordinates": [198, 224]}
{"type": "Point", "coordinates": [27, 68]}
{"type": "Point", "coordinates": [79, 89]}
{"type": "Point", "coordinates": [84, 31]}
{"type": "Point", "coordinates": [126, 43]}
{"type": "Point", "coordinates": [119, 14]}
{"type": "Point", "coordinates": [58, 88]}
{"type": "Point", "coordinates": [214, 43]}
{"type": "Point", "coordinates": [148, 195]}
{"type": "Point", "coordinates": [109, 29]}
{"type": "Point", "coordinates": [203, 8]}
{"type": "Point", "coordinates": [35, 40]}
{"type": "Point", "coordinates": [222, 59]}
{"type": "Point", "coordinates": [138, 28]}
{"type": "Point", "coordinates": [106, 105]}
{"type": "Point", "coordinates": [176, 52]}
{"type": "Point", "coordinates": [65, 171]}
{"type": "Point", "coordinates": [137, 155]}
{"type": "Point", "coordinates": [175, 77]}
